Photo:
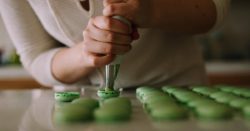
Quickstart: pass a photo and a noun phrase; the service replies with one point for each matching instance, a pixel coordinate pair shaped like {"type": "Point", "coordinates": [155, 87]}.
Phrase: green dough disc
{"type": "Point", "coordinates": [66, 96]}
{"type": "Point", "coordinates": [169, 113]}
{"type": "Point", "coordinates": [105, 94]}
{"type": "Point", "coordinates": [72, 113]}
{"type": "Point", "coordinates": [87, 103]}
{"type": "Point", "coordinates": [214, 112]}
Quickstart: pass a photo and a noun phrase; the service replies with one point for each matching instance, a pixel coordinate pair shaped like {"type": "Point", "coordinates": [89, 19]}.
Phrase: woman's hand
{"type": "Point", "coordinates": [104, 38]}
{"type": "Point", "coordinates": [137, 11]}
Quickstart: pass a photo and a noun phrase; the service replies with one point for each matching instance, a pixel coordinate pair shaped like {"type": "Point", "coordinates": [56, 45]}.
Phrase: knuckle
{"type": "Point", "coordinates": [110, 9]}
{"type": "Point", "coordinates": [94, 61]}
{"type": "Point", "coordinates": [108, 48]}
{"type": "Point", "coordinates": [108, 22]}
{"type": "Point", "coordinates": [110, 37]}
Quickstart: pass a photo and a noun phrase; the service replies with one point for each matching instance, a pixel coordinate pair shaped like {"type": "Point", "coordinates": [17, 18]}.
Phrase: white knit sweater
{"type": "Point", "coordinates": [39, 28]}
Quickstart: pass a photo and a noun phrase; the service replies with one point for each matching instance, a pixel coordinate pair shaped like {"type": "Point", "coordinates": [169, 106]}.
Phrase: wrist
{"type": "Point", "coordinates": [79, 56]}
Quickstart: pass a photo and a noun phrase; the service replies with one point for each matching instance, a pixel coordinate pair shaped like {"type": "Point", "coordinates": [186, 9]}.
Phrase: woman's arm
{"type": "Point", "coordinates": [176, 16]}
{"type": "Point", "coordinates": [184, 16]}
{"type": "Point", "coordinates": [104, 38]}
{"type": "Point", "coordinates": [53, 65]}
{"type": "Point", "coordinates": [35, 47]}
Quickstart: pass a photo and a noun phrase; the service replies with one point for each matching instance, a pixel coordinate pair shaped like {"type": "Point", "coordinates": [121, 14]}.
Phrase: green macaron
{"type": "Point", "coordinates": [186, 96]}
{"type": "Point", "coordinates": [239, 103]}
{"type": "Point", "coordinates": [246, 111]}
{"type": "Point", "coordinates": [214, 112]}
{"type": "Point", "coordinates": [246, 94]}
{"type": "Point", "coordinates": [170, 89]}
{"type": "Point", "coordinates": [87, 103]}
{"type": "Point", "coordinates": [220, 94]}
{"type": "Point", "coordinates": [70, 113]}
{"type": "Point", "coordinates": [158, 99]}
{"type": "Point", "coordinates": [225, 88]}
{"type": "Point", "coordinates": [119, 102]}
{"type": "Point", "coordinates": [159, 104]}
{"type": "Point", "coordinates": [106, 93]}
{"type": "Point", "coordinates": [200, 102]}
{"type": "Point", "coordinates": [152, 95]}
{"type": "Point", "coordinates": [204, 90]}
{"type": "Point", "coordinates": [143, 89]}
{"type": "Point", "coordinates": [111, 114]}
{"type": "Point", "coordinates": [66, 96]}
{"type": "Point", "coordinates": [226, 99]}
{"type": "Point", "coordinates": [169, 113]}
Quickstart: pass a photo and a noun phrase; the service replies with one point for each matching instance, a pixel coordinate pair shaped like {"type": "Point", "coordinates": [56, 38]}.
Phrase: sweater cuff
{"type": "Point", "coordinates": [41, 69]}
{"type": "Point", "coordinates": [222, 7]}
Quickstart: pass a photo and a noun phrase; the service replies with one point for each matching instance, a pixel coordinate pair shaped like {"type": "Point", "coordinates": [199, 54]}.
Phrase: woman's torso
{"type": "Point", "coordinates": [157, 58]}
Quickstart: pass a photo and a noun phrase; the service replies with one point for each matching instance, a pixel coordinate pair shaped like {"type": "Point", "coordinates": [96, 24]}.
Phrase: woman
{"type": "Point", "coordinates": [68, 42]}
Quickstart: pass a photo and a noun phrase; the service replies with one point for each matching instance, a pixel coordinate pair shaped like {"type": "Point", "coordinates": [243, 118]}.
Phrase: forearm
{"type": "Point", "coordinates": [182, 16]}
{"type": "Point", "coordinates": [68, 66]}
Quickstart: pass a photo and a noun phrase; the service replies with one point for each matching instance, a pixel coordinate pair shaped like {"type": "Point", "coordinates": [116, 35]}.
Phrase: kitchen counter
{"type": "Point", "coordinates": [15, 77]}
{"type": "Point", "coordinates": [32, 110]}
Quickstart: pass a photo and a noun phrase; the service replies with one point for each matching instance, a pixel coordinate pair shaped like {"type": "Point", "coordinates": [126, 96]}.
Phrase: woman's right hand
{"type": "Point", "coordinates": [104, 38]}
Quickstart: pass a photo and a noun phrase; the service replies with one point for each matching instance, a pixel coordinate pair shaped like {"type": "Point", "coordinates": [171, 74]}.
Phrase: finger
{"type": "Point", "coordinates": [97, 47]}
{"type": "Point", "coordinates": [135, 34]}
{"type": "Point", "coordinates": [121, 9]}
{"type": "Point", "coordinates": [95, 60]}
{"type": "Point", "coordinates": [111, 24]}
{"type": "Point", "coordinates": [108, 36]}
{"type": "Point", "coordinates": [108, 2]}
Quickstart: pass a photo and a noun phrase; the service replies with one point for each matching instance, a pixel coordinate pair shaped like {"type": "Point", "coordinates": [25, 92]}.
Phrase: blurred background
{"type": "Point", "coordinates": [226, 51]}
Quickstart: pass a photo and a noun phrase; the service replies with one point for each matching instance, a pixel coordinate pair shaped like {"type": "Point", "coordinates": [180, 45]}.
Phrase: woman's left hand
{"type": "Point", "coordinates": [137, 11]}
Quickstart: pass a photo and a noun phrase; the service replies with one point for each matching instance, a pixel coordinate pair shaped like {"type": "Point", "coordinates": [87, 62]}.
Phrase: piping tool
{"type": "Point", "coordinates": [112, 69]}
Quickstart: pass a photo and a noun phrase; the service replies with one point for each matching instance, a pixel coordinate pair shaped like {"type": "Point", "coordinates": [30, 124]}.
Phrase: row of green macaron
{"type": "Point", "coordinates": [201, 106]}
{"type": "Point", "coordinates": [234, 97]}
{"type": "Point", "coordinates": [196, 100]}
{"type": "Point", "coordinates": [160, 106]}
{"type": "Point", "coordinates": [89, 109]}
